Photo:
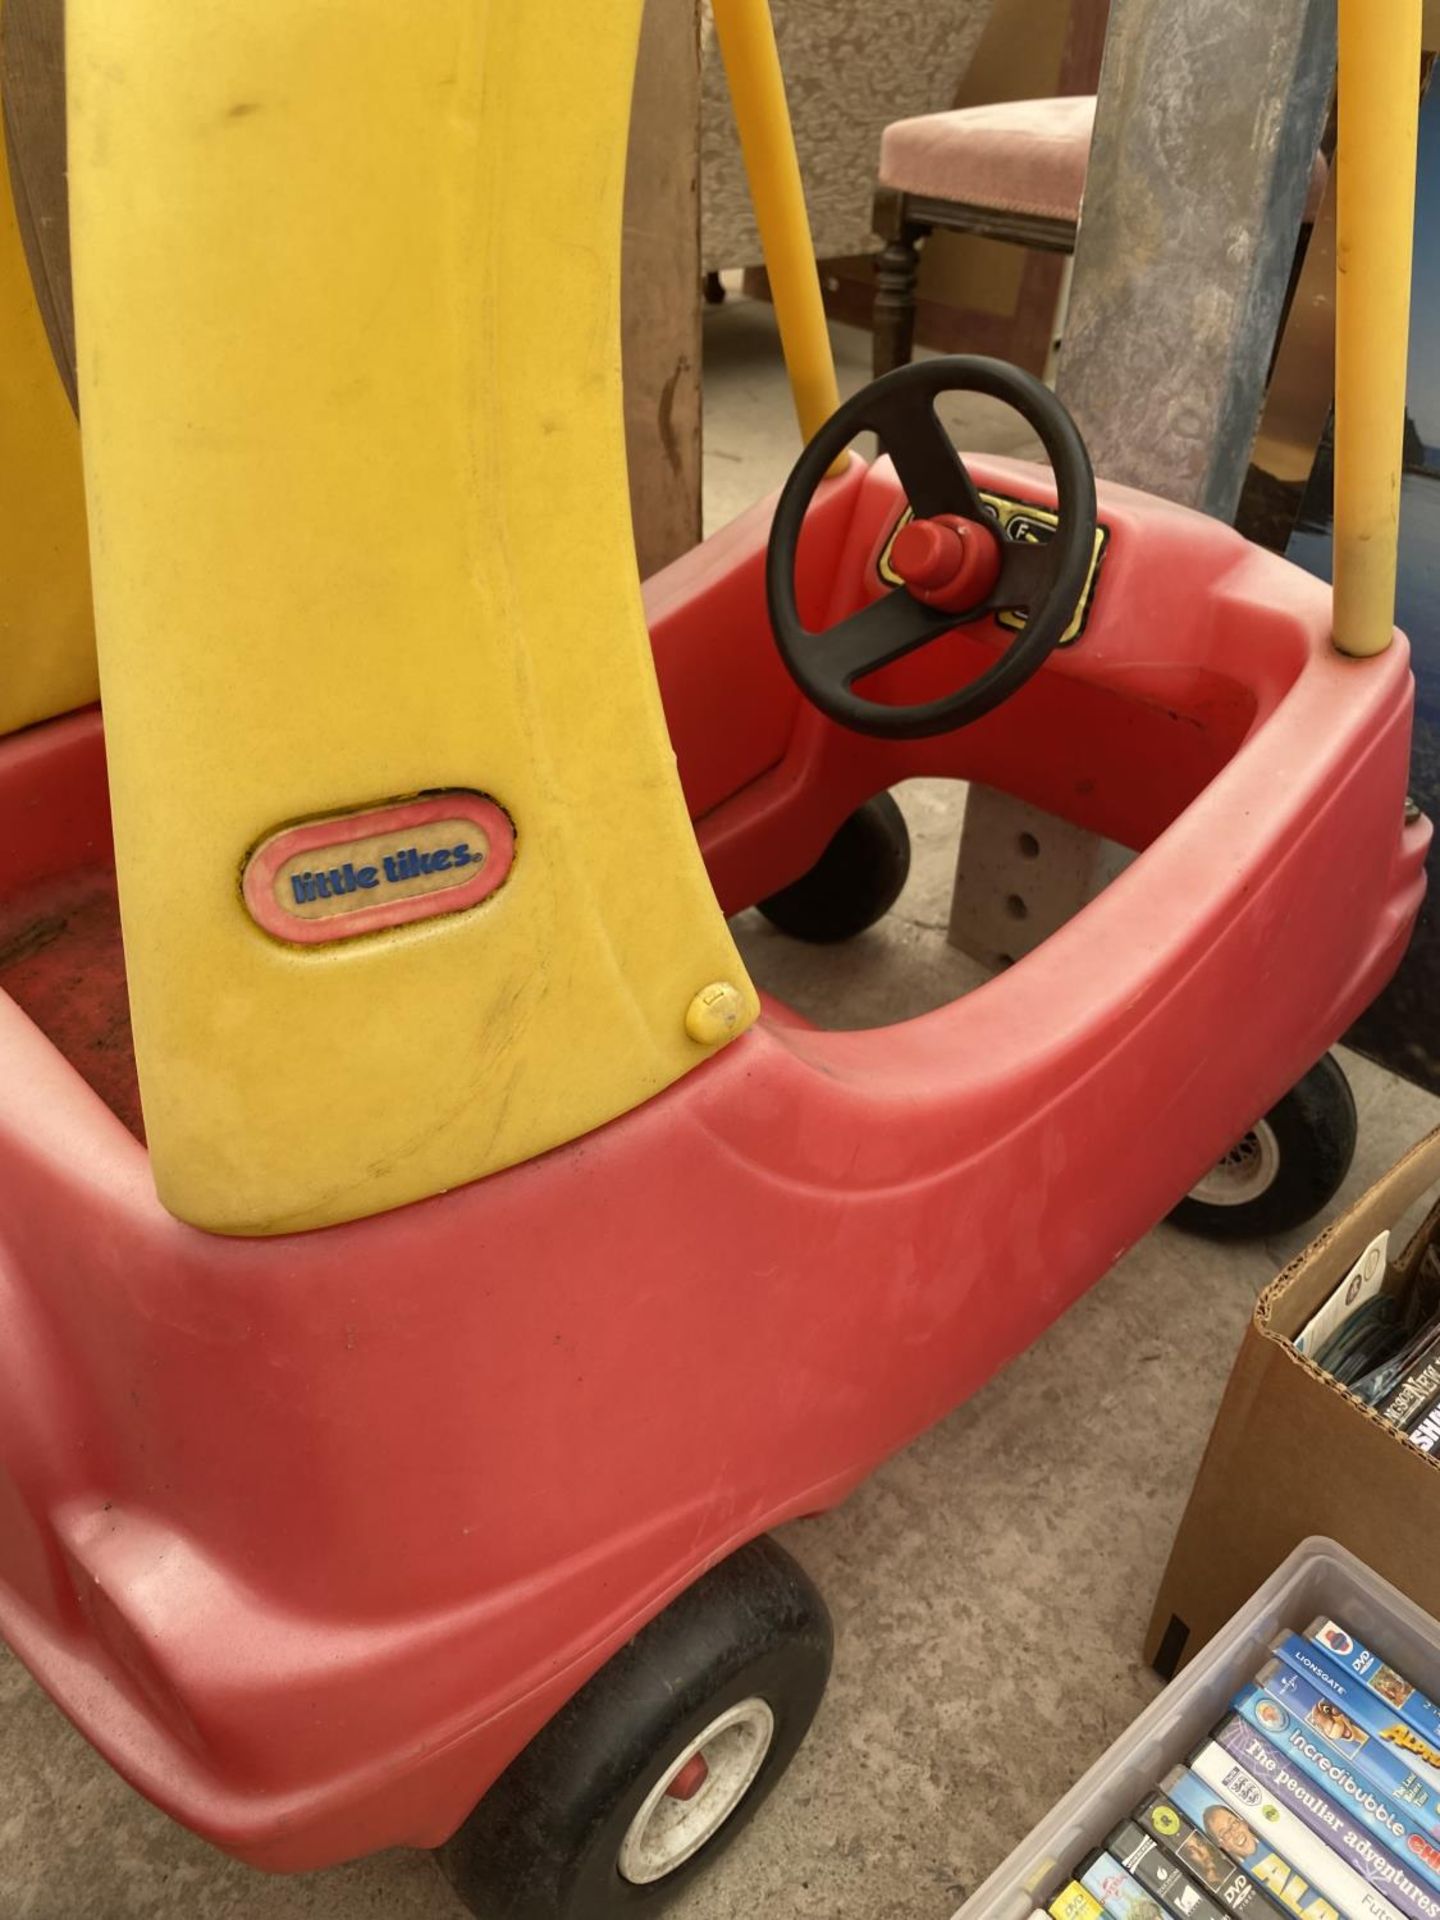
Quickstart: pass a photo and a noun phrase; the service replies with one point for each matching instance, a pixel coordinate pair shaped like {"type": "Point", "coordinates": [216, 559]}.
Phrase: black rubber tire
{"type": "Point", "coordinates": [854, 883]}
{"type": "Point", "coordinates": [1315, 1127]}
{"type": "Point", "coordinates": [544, 1843]}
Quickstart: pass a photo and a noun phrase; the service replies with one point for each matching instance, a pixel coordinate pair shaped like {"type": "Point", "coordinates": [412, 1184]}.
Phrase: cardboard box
{"type": "Point", "coordinates": [1293, 1454]}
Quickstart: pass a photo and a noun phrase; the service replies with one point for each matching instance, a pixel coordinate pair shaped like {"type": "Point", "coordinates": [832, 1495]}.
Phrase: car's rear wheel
{"type": "Point", "coordinates": [1285, 1169]}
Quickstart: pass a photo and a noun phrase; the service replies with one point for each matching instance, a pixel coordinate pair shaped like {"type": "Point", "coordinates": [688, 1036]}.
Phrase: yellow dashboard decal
{"type": "Point", "coordinates": [1021, 523]}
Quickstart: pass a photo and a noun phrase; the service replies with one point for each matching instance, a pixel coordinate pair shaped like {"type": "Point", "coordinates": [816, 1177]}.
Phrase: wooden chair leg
{"type": "Point", "coordinates": [897, 270]}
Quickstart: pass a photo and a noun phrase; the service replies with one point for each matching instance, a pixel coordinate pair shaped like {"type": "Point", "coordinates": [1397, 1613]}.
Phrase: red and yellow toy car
{"type": "Point", "coordinates": [407, 1340]}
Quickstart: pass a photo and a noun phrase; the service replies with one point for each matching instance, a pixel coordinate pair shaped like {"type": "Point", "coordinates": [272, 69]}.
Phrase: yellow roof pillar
{"type": "Point", "coordinates": [347, 291]}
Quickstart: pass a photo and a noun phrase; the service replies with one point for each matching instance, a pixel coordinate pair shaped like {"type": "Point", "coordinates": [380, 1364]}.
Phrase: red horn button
{"type": "Point", "coordinates": [948, 563]}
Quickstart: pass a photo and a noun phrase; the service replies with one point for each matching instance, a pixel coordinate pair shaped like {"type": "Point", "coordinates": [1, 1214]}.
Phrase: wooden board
{"type": "Point", "coordinates": [662, 287]}
{"type": "Point", "coordinates": [32, 75]}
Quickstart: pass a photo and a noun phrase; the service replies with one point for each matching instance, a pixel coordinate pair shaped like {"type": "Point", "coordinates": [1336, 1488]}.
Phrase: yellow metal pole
{"type": "Point", "coordinates": [746, 34]}
{"type": "Point", "coordinates": [1378, 138]}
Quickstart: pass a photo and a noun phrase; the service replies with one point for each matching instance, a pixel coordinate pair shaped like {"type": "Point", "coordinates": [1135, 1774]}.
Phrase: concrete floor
{"type": "Point", "coordinates": [751, 440]}
{"type": "Point", "coordinates": [990, 1586]}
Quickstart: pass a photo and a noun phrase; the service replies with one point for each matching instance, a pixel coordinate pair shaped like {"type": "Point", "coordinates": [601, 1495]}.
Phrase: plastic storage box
{"type": "Point", "coordinates": [1319, 1577]}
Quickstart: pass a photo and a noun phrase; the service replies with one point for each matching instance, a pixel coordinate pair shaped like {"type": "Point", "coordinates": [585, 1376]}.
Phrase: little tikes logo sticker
{"type": "Point", "coordinates": [355, 873]}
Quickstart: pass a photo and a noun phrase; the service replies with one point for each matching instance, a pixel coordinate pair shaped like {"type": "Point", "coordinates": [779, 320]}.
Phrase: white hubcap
{"type": "Point", "coordinates": [1247, 1171]}
{"type": "Point", "coordinates": [668, 1831]}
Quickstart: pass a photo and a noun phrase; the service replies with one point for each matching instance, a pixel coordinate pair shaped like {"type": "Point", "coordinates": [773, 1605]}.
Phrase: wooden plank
{"type": "Point", "coordinates": [662, 287]}
{"type": "Point", "coordinates": [32, 75]}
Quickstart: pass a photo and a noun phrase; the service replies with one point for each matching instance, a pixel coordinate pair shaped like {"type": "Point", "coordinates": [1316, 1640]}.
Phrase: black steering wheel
{"type": "Point", "coordinates": [956, 566]}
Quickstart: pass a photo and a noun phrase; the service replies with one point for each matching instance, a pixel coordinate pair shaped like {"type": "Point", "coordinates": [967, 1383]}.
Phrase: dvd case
{"type": "Point", "coordinates": [1329, 1819]}
{"type": "Point", "coordinates": [1160, 1873]}
{"type": "Point", "coordinates": [1346, 1652]}
{"type": "Point", "coordinates": [1366, 1722]}
{"type": "Point", "coordinates": [1415, 1392]}
{"type": "Point", "coordinates": [1340, 1790]}
{"type": "Point", "coordinates": [1252, 1851]}
{"type": "Point", "coordinates": [1192, 1848]}
{"type": "Point", "coordinates": [1379, 1751]}
{"type": "Point", "coordinates": [1253, 1795]}
{"type": "Point", "coordinates": [1074, 1903]}
{"type": "Point", "coordinates": [1121, 1895]}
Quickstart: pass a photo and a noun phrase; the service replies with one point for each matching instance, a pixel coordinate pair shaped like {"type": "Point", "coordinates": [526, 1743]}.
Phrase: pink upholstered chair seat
{"type": "Point", "coordinates": [1020, 156]}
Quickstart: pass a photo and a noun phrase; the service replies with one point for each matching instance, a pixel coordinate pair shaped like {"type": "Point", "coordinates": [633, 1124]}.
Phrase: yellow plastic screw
{"type": "Point", "coordinates": [715, 1015]}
